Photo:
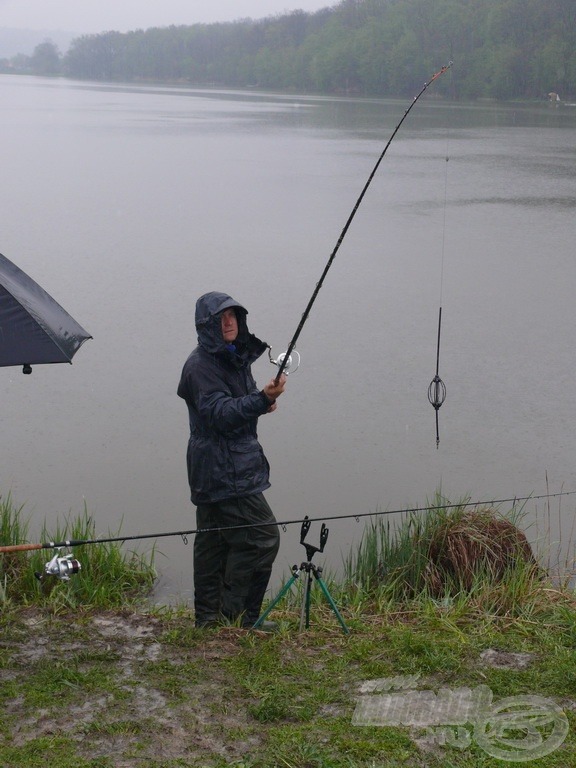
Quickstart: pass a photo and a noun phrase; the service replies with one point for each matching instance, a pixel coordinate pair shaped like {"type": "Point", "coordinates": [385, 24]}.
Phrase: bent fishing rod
{"type": "Point", "coordinates": [284, 361]}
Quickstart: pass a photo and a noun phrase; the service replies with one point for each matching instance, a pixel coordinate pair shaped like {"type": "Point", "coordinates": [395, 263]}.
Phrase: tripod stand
{"type": "Point", "coordinates": [310, 570]}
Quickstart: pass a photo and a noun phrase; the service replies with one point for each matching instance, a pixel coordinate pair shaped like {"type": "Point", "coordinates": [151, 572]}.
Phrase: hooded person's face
{"type": "Point", "coordinates": [229, 323]}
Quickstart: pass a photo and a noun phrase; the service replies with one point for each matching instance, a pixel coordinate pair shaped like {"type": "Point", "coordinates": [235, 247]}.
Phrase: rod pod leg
{"type": "Point", "coordinates": [333, 605]}
{"type": "Point", "coordinates": [305, 610]}
{"type": "Point", "coordinates": [279, 596]}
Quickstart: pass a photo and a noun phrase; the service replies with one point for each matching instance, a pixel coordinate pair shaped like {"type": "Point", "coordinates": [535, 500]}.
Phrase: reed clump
{"type": "Point", "coordinates": [444, 553]}
{"type": "Point", "coordinates": [475, 544]}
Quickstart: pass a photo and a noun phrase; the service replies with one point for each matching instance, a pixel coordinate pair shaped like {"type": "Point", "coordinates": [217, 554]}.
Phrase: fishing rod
{"type": "Point", "coordinates": [285, 362]}
{"type": "Point", "coordinates": [62, 567]}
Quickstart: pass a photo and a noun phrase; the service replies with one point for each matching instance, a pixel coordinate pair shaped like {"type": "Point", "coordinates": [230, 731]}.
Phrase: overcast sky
{"type": "Point", "coordinates": [91, 16]}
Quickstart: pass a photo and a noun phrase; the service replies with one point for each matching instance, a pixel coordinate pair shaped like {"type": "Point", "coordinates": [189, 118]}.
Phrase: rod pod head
{"type": "Point", "coordinates": [310, 548]}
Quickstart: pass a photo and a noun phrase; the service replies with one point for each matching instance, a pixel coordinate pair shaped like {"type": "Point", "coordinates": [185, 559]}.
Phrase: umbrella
{"type": "Point", "coordinates": [33, 327]}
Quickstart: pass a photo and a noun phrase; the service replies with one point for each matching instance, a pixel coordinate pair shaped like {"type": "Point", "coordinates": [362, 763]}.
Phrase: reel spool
{"type": "Point", "coordinates": [292, 364]}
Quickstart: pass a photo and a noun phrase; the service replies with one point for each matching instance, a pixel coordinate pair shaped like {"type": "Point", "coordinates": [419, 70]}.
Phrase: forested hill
{"type": "Point", "coordinates": [503, 49]}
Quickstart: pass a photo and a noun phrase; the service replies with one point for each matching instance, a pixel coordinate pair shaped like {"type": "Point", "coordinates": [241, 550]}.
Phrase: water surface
{"type": "Point", "coordinates": [126, 203]}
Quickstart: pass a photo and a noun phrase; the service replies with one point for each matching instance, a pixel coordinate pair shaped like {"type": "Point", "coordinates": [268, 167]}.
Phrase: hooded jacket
{"type": "Point", "coordinates": [224, 458]}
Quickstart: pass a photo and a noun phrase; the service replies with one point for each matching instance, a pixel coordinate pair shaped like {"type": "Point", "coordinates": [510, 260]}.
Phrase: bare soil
{"type": "Point", "coordinates": [142, 715]}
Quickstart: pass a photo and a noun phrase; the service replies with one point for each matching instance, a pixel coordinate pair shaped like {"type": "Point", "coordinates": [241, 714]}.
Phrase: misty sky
{"type": "Point", "coordinates": [92, 16]}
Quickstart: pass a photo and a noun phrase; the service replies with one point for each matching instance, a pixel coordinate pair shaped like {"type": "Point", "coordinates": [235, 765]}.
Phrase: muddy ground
{"type": "Point", "coordinates": [129, 689]}
{"type": "Point", "coordinates": [137, 714]}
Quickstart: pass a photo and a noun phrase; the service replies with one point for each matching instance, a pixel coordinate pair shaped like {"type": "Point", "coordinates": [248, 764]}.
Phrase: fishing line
{"type": "Point", "coordinates": [282, 523]}
{"type": "Point", "coordinates": [437, 388]}
{"type": "Point", "coordinates": [284, 361]}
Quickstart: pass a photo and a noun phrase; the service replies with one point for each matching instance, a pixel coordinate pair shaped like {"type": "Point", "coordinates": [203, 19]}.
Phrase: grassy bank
{"type": "Point", "coordinates": [95, 686]}
{"type": "Point", "coordinates": [109, 576]}
{"type": "Point", "coordinates": [124, 689]}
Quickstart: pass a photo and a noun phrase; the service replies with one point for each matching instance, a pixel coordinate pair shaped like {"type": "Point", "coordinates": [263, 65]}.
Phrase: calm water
{"type": "Point", "coordinates": [127, 203]}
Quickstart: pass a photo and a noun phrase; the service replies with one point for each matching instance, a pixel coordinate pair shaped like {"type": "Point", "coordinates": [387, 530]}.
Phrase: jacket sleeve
{"type": "Point", "coordinates": [225, 413]}
{"type": "Point", "coordinates": [219, 409]}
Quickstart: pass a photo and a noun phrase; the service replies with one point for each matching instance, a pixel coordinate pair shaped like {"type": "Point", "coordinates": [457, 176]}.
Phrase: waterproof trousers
{"type": "Point", "coordinates": [232, 567]}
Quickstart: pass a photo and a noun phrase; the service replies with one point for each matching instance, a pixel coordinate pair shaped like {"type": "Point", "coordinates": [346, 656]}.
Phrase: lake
{"type": "Point", "coordinates": [128, 202]}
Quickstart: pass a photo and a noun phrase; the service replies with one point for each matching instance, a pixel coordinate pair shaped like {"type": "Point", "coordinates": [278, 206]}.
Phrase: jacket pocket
{"type": "Point", "coordinates": [251, 467]}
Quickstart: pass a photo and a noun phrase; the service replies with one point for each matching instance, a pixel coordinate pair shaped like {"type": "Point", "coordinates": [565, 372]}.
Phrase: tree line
{"type": "Point", "coordinates": [502, 49]}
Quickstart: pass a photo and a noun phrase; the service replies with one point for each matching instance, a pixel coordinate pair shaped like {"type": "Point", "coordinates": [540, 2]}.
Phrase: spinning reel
{"type": "Point", "coordinates": [61, 567]}
{"type": "Point", "coordinates": [291, 365]}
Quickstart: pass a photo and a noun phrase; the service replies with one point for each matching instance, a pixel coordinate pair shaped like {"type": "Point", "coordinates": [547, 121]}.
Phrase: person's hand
{"type": "Point", "coordinates": [274, 388]}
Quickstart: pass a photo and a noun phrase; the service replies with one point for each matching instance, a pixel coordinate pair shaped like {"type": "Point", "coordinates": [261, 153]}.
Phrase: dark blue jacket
{"type": "Point", "coordinates": [224, 458]}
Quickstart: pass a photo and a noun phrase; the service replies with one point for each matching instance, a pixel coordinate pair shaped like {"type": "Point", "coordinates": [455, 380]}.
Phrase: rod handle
{"type": "Point", "coordinates": [20, 547]}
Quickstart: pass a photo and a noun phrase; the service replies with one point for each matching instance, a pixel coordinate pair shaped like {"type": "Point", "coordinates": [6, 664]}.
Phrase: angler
{"type": "Point", "coordinates": [227, 469]}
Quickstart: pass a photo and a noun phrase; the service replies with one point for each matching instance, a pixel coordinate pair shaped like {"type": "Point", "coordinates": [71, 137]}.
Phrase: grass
{"type": "Point", "coordinates": [136, 686]}
{"type": "Point", "coordinates": [13, 530]}
{"type": "Point", "coordinates": [183, 696]}
{"type": "Point", "coordinates": [449, 553]}
{"type": "Point", "coordinates": [109, 576]}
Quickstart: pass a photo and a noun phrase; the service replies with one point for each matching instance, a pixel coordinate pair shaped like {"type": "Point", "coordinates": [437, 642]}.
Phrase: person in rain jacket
{"type": "Point", "coordinates": [227, 469]}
